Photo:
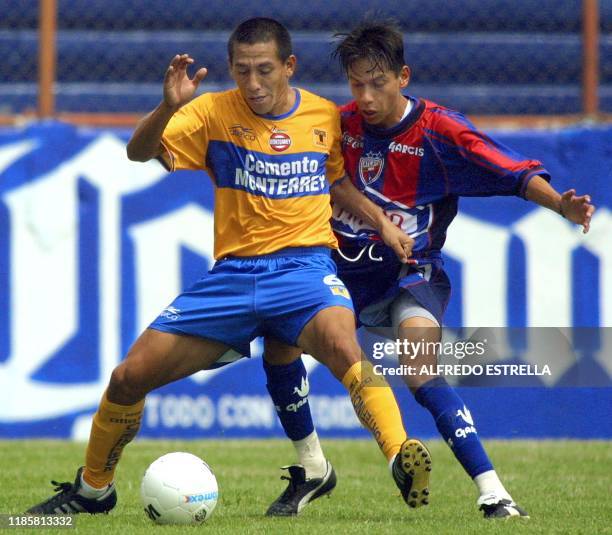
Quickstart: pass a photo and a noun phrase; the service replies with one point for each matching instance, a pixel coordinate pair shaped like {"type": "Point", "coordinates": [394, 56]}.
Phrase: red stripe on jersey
{"type": "Point", "coordinates": [352, 140]}
{"type": "Point", "coordinates": [401, 181]}
{"type": "Point", "coordinates": [482, 150]}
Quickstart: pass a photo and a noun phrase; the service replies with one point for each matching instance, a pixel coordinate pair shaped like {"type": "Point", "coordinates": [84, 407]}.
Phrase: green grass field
{"type": "Point", "coordinates": [565, 486]}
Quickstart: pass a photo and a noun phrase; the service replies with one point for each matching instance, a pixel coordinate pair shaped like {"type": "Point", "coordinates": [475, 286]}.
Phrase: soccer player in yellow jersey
{"type": "Point", "coordinates": [273, 153]}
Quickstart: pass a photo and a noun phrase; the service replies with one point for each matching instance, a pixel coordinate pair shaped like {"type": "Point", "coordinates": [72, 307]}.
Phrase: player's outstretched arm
{"type": "Point", "coordinates": [347, 196]}
{"type": "Point", "coordinates": [179, 89]}
{"type": "Point", "coordinates": [577, 209]}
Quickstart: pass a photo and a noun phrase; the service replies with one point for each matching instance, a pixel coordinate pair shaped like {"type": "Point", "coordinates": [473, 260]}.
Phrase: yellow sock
{"type": "Point", "coordinates": [376, 407]}
{"type": "Point", "coordinates": [114, 426]}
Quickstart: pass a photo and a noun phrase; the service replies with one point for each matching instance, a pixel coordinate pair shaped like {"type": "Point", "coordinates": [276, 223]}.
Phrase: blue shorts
{"type": "Point", "coordinates": [241, 298]}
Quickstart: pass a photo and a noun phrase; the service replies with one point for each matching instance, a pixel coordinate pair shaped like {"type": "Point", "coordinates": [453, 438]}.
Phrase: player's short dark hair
{"type": "Point", "coordinates": [261, 30]}
{"type": "Point", "coordinates": [380, 42]}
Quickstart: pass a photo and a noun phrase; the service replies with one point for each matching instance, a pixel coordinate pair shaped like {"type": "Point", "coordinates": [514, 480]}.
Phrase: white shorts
{"type": "Point", "coordinates": [401, 308]}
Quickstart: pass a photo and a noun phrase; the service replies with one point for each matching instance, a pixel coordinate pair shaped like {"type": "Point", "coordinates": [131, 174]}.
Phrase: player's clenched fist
{"type": "Point", "coordinates": [178, 87]}
{"type": "Point", "coordinates": [398, 240]}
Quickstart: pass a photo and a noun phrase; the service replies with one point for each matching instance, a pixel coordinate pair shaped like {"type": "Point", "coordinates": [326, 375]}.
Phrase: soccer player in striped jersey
{"type": "Point", "coordinates": [272, 152]}
{"type": "Point", "coordinates": [414, 159]}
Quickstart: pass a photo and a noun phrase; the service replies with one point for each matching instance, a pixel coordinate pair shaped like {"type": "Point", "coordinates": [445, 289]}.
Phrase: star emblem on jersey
{"type": "Point", "coordinates": [370, 167]}
{"type": "Point", "coordinates": [279, 140]}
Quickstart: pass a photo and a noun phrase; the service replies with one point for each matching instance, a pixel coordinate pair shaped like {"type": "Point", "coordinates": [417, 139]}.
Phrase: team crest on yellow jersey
{"type": "Point", "coordinates": [319, 137]}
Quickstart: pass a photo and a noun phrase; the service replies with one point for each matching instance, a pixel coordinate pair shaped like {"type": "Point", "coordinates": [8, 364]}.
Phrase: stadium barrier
{"type": "Point", "coordinates": [83, 60]}
{"type": "Point", "coordinates": [93, 247]}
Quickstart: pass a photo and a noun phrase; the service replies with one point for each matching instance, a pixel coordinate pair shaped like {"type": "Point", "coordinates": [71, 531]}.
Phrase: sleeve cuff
{"type": "Point", "coordinates": [528, 175]}
{"type": "Point", "coordinates": [168, 163]}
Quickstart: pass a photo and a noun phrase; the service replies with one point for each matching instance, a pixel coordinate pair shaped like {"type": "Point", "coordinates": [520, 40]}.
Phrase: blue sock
{"type": "Point", "coordinates": [288, 387]}
{"type": "Point", "coordinates": [455, 424]}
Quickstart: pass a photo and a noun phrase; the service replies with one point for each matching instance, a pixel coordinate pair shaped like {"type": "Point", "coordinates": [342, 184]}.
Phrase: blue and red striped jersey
{"type": "Point", "coordinates": [417, 170]}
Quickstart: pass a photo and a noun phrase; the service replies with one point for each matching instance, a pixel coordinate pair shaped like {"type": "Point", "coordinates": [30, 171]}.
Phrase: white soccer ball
{"type": "Point", "coordinates": [179, 488]}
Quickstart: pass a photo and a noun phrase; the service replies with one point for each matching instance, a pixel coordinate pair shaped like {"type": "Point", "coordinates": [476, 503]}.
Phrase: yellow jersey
{"type": "Point", "coordinates": [271, 173]}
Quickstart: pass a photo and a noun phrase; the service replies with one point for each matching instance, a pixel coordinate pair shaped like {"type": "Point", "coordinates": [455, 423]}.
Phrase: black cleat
{"type": "Point", "coordinates": [301, 491]}
{"type": "Point", "coordinates": [410, 470]}
{"type": "Point", "coordinates": [492, 507]}
{"type": "Point", "coordinates": [68, 501]}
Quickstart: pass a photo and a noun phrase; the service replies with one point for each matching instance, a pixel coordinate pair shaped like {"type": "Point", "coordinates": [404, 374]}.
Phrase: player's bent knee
{"type": "Point", "coordinates": [126, 386]}
{"type": "Point", "coordinates": [419, 329]}
{"type": "Point", "coordinates": [277, 353]}
{"type": "Point", "coordinates": [339, 354]}
{"type": "Point", "coordinates": [345, 348]}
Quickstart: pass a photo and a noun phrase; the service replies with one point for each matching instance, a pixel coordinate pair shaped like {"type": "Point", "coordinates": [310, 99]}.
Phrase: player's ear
{"type": "Point", "coordinates": [290, 65]}
{"type": "Point", "coordinates": [404, 76]}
